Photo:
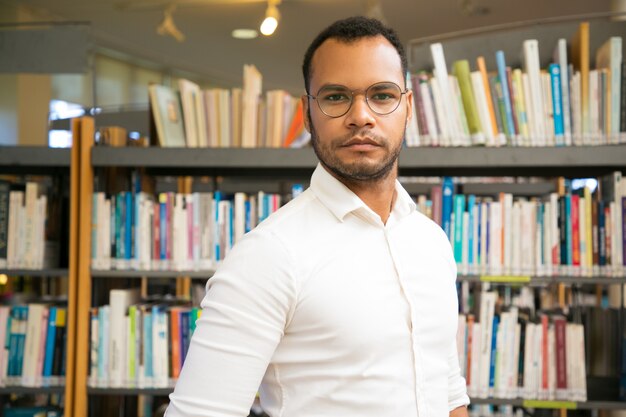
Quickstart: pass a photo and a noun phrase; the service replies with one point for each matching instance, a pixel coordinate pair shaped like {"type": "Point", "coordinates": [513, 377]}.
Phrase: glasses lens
{"type": "Point", "coordinates": [334, 101]}
{"type": "Point", "coordinates": [383, 98]}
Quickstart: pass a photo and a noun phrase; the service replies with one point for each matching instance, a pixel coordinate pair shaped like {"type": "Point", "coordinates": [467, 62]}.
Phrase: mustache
{"type": "Point", "coordinates": [362, 133]}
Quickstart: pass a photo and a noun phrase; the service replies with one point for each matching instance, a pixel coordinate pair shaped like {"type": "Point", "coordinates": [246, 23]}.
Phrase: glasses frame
{"type": "Point", "coordinates": [352, 92]}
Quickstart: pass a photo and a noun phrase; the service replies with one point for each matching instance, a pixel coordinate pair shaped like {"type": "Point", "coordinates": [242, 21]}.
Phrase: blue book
{"type": "Point", "coordinates": [539, 216]}
{"type": "Point", "coordinates": [185, 333]}
{"type": "Point", "coordinates": [557, 103]}
{"type": "Point", "coordinates": [21, 340]}
{"type": "Point", "coordinates": [136, 228]}
{"type": "Point", "coordinates": [479, 233]}
{"type": "Point", "coordinates": [471, 203]}
{"type": "Point", "coordinates": [119, 244]}
{"type": "Point", "coordinates": [601, 234]}
{"type": "Point", "coordinates": [11, 343]}
{"type": "Point", "coordinates": [103, 342]}
{"type": "Point", "coordinates": [569, 252]}
{"type": "Point", "coordinates": [112, 250]}
{"type": "Point", "coordinates": [147, 344]}
{"type": "Point", "coordinates": [130, 225]}
{"type": "Point", "coordinates": [492, 361]}
{"type": "Point", "coordinates": [447, 193]}
{"type": "Point", "coordinates": [459, 209]}
{"type": "Point", "coordinates": [231, 227]}
{"type": "Point", "coordinates": [217, 196]}
{"type": "Point", "coordinates": [50, 336]}
{"type": "Point", "coordinates": [163, 226]}
{"type": "Point", "coordinates": [506, 94]}
{"type": "Point", "coordinates": [248, 215]}
{"type": "Point", "coordinates": [488, 242]}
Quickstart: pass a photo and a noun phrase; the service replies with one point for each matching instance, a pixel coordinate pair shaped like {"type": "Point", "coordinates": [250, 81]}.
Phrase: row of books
{"type": "Point", "coordinates": [32, 345]}
{"type": "Point", "coordinates": [219, 118]}
{"type": "Point", "coordinates": [507, 355]}
{"type": "Point", "coordinates": [135, 344]}
{"type": "Point", "coordinates": [565, 104]}
{"type": "Point", "coordinates": [172, 231]}
{"type": "Point", "coordinates": [566, 233]}
{"type": "Point", "coordinates": [24, 243]}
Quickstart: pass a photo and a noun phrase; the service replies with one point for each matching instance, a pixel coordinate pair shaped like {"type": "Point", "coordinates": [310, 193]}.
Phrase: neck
{"type": "Point", "coordinates": [379, 195]}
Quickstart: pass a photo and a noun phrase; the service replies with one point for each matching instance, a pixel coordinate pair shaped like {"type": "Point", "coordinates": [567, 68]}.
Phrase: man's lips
{"type": "Point", "coordinates": [361, 143]}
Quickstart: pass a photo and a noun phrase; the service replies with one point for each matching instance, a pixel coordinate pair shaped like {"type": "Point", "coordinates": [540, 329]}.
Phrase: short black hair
{"type": "Point", "coordinates": [350, 30]}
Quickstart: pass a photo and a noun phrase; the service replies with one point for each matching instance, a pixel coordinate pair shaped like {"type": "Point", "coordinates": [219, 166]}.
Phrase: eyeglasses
{"type": "Point", "coordinates": [336, 100]}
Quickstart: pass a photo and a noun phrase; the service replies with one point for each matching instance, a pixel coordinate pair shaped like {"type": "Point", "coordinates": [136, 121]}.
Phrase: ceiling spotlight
{"type": "Point", "coordinates": [272, 16]}
{"type": "Point", "coordinates": [244, 33]}
{"type": "Point", "coordinates": [168, 27]}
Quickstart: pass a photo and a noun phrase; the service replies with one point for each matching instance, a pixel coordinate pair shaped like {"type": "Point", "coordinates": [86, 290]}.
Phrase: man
{"type": "Point", "coordinates": [343, 303]}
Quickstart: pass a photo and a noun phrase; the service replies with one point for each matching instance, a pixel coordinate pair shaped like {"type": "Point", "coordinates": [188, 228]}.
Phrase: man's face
{"type": "Point", "coordinates": [360, 145]}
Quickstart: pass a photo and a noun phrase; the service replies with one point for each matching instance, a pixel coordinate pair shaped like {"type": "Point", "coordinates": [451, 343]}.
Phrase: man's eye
{"type": "Point", "coordinates": [335, 97]}
{"type": "Point", "coordinates": [382, 96]}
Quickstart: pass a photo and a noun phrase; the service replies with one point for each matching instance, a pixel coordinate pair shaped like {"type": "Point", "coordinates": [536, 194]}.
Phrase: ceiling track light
{"type": "Point", "coordinates": [167, 27]}
{"type": "Point", "coordinates": [272, 16]}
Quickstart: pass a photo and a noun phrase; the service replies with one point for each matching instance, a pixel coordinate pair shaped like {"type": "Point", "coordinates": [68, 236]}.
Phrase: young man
{"type": "Point", "coordinates": [343, 303]}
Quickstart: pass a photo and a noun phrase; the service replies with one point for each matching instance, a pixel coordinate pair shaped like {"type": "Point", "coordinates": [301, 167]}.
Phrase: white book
{"type": "Point", "coordinates": [32, 344]}
{"type": "Point", "coordinates": [609, 56]}
{"type": "Point", "coordinates": [513, 389]}
{"type": "Point", "coordinates": [529, 389]}
{"type": "Point", "coordinates": [412, 135]}
{"type": "Point", "coordinates": [551, 363]}
{"type": "Point", "coordinates": [531, 139]}
{"type": "Point", "coordinates": [580, 390]}
{"type": "Point", "coordinates": [560, 57]}
{"type": "Point", "coordinates": [160, 355]}
{"type": "Point", "coordinates": [595, 132]}
{"type": "Point", "coordinates": [252, 87]}
{"type": "Point", "coordinates": [507, 226]}
{"type": "Point", "coordinates": [463, 134]}
{"type": "Point", "coordinates": [94, 348]}
{"type": "Point", "coordinates": [550, 139]}
{"type": "Point", "coordinates": [484, 232]}
{"type": "Point", "coordinates": [487, 308]}
{"type": "Point", "coordinates": [474, 379]}
{"type": "Point", "coordinates": [480, 97]}
{"type": "Point", "coordinates": [119, 301]}
{"type": "Point", "coordinates": [577, 115]}
{"type": "Point", "coordinates": [240, 216]}
{"type": "Point", "coordinates": [499, 386]}
{"type": "Point", "coordinates": [448, 105]}
{"type": "Point", "coordinates": [461, 340]}
{"type": "Point", "coordinates": [445, 138]}
{"type": "Point", "coordinates": [15, 202]}
{"type": "Point", "coordinates": [517, 238]}
{"type": "Point", "coordinates": [429, 112]}
{"type": "Point", "coordinates": [189, 93]}
{"type": "Point", "coordinates": [4, 352]}
{"type": "Point", "coordinates": [554, 234]}
{"type": "Point", "coordinates": [532, 68]}
{"type": "Point", "coordinates": [224, 115]}
{"type": "Point", "coordinates": [495, 238]}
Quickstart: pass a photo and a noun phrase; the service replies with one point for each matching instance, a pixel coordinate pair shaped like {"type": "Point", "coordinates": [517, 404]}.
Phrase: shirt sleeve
{"type": "Point", "coordinates": [457, 390]}
{"type": "Point", "coordinates": [244, 314]}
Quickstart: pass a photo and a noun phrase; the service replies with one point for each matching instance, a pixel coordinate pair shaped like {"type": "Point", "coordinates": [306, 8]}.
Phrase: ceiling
{"type": "Point", "coordinates": [210, 53]}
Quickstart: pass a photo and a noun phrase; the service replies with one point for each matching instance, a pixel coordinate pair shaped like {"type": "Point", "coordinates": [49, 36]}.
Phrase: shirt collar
{"type": "Point", "coordinates": [340, 200]}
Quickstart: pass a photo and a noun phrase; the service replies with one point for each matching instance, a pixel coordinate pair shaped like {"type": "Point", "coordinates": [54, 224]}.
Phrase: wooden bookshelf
{"type": "Point", "coordinates": [114, 273]}
{"type": "Point", "coordinates": [54, 272]}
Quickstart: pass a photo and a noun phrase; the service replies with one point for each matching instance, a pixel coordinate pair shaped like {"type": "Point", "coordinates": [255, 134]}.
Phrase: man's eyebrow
{"type": "Point", "coordinates": [337, 86]}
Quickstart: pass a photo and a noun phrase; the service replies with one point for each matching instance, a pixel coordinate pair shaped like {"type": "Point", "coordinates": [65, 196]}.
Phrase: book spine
{"type": "Point", "coordinates": [4, 222]}
{"type": "Point", "coordinates": [557, 104]}
{"type": "Point", "coordinates": [506, 94]}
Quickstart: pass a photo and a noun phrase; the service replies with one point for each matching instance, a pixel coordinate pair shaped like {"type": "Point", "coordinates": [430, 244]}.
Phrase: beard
{"type": "Point", "coordinates": [360, 170]}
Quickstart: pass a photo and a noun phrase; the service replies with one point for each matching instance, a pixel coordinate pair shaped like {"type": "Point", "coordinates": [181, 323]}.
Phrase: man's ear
{"type": "Point", "coordinates": [305, 112]}
{"type": "Point", "coordinates": [409, 105]}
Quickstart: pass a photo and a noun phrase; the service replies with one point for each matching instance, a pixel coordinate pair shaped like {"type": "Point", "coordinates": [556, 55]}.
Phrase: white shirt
{"type": "Point", "coordinates": [332, 313]}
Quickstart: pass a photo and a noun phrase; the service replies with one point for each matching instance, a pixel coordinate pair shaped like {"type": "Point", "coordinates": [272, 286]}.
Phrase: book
{"type": "Point", "coordinates": [165, 109]}
{"type": "Point", "coordinates": [580, 59]}
{"type": "Point", "coordinates": [609, 56]}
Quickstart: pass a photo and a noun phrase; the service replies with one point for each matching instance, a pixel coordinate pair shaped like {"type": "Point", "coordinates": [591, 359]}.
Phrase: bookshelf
{"type": "Point", "coordinates": [45, 167]}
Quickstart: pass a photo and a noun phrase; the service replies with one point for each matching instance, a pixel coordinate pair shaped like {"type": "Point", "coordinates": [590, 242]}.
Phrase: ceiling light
{"type": "Point", "coordinates": [167, 26]}
{"type": "Point", "coordinates": [272, 16]}
{"type": "Point", "coordinates": [244, 34]}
